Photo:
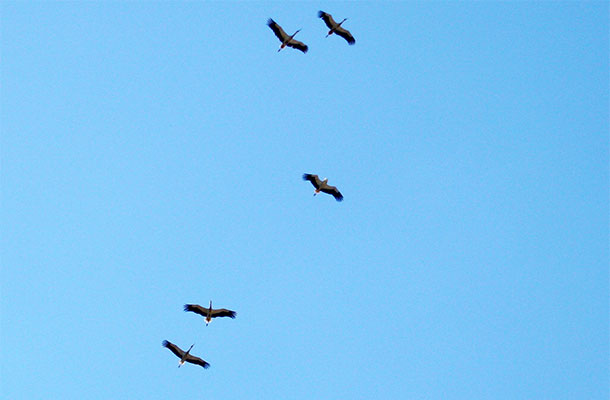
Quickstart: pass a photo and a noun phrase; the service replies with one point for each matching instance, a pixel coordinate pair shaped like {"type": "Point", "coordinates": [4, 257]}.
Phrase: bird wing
{"type": "Point", "coordinates": [223, 312]}
{"type": "Point", "coordinates": [328, 19]}
{"type": "Point", "coordinates": [173, 348]}
{"type": "Point", "coordinates": [332, 190]}
{"type": "Point", "coordinates": [345, 34]}
{"type": "Point", "coordinates": [197, 361]}
{"type": "Point", "coordinates": [196, 309]}
{"type": "Point", "coordinates": [315, 181]}
{"type": "Point", "coordinates": [297, 45]}
{"type": "Point", "coordinates": [279, 32]}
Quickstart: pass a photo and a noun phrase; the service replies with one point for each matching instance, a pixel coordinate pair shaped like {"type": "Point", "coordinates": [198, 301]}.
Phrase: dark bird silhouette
{"type": "Point", "coordinates": [323, 186]}
{"type": "Point", "coordinates": [185, 356]}
{"type": "Point", "coordinates": [336, 27]}
{"type": "Point", "coordinates": [285, 38]}
{"type": "Point", "coordinates": [209, 313]}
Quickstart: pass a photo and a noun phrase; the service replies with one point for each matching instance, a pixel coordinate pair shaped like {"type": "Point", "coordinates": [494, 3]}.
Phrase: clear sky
{"type": "Point", "coordinates": [152, 156]}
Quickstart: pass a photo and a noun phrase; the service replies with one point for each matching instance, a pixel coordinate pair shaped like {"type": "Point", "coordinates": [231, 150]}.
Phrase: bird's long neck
{"type": "Point", "coordinates": [293, 35]}
{"type": "Point", "coordinates": [208, 318]}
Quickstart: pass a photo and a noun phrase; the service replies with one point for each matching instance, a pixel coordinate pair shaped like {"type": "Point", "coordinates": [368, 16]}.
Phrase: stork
{"type": "Point", "coordinates": [209, 313]}
{"type": "Point", "coordinates": [185, 356]}
{"type": "Point", "coordinates": [285, 38]}
{"type": "Point", "coordinates": [336, 27]}
{"type": "Point", "coordinates": [323, 186]}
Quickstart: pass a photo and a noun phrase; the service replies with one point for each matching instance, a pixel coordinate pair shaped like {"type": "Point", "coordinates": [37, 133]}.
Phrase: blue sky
{"type": "Point", "coordinates": [152, 156]}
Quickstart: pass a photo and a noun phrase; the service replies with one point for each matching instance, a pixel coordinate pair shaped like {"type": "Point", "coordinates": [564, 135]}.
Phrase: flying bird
{"type": "Point", "coordinates": [185, 357]}
{"type": "Point", "coordinates": [336, 27]}
{"type": "Point", "coordinates": [209, 313]}
{"type": "Point", "coordinates": [285, 39]}
{"type": "Point", "coordinates": [323, 186]}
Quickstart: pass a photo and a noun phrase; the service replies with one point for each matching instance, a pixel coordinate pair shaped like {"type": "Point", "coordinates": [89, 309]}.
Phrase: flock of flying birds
{"type": "Point", "coordinates": [320, 185]}
{"type": "Point", "coordinates": [288, 40]}
{"type": "Point", "coordinates": [208, 313]}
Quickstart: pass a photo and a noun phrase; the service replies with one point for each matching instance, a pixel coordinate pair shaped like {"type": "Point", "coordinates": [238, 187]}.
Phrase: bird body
{"type": "Point", "coordinates": [286, 39]}
{"type": "Point", "coordinates": [323, 186]}
{"type": "Point", "coordinates": [336, 27]}
{"type": "Point", "coordinates": [185, 356]}
{"type": "Point", "coordinates": [208, 312]}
